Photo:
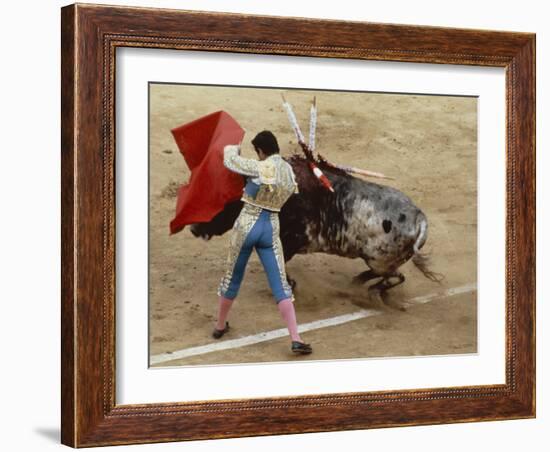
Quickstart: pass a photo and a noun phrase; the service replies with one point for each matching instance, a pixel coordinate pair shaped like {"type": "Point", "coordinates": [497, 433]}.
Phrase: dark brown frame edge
{"type": "Point", "coordinates": [90, 36]}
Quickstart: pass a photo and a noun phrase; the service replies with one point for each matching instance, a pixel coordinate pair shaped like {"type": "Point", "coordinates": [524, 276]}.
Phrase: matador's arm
{"type": "Point", "coordinates": [234, 162]}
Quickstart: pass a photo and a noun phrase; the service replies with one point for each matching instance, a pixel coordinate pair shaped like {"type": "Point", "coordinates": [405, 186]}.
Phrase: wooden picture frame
{"type": "Point", "coordinates": [90, 36]}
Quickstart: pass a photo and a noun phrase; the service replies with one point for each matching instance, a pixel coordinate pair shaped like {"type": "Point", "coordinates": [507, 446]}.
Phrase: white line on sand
{"type": "Point", "coordinates": [275, 334]}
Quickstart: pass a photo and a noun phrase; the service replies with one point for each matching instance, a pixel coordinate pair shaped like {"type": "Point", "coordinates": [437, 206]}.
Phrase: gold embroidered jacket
{"type": "Point", "coordinates": [273, 175]}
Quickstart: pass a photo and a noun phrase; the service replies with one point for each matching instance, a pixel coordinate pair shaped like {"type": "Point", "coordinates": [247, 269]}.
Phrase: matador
{"type": "Point", "coordinates": [270, 183]}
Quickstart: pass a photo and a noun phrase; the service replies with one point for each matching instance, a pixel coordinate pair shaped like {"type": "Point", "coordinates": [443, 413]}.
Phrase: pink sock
{"type": "Point", "coordinates": [286, 308]}
{"type": "Point", "coordinates": [223, 309]}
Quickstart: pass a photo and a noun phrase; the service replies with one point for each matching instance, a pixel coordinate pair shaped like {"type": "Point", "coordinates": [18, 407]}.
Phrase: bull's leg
{"type": "Point", "coordinates": [377, 291]}
{"type": "Point", "coordinates": [364, 277]}
{"type": "Point", "coordinates": [290, 248]}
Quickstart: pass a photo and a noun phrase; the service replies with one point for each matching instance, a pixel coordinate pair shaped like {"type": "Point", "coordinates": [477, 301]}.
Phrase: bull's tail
{"type": "Point", "coordinates": [421, 260]}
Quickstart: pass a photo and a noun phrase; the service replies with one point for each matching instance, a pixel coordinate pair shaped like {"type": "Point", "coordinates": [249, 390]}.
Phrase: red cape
{"type": "Point", "coordinates": [211, 185]}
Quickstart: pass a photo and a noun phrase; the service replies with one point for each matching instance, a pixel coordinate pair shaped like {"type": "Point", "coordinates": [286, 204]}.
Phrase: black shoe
{"type": "Point", "coordinates": [301, 348]}
{"type": "Point", "coordinates": [216, 334]}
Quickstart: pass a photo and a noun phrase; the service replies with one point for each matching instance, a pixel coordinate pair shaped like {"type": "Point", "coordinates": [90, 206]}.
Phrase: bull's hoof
{"type": "Point", "coordinates": [291, 283]}
{"type": "Point", "coordinates": [392, 304]}
{"type": "Point", "coordinates": [380, 299]}
{"type": "Point", "coordinates": [396, 306]}
{"type": "Point", "coordinates": [375, 298]}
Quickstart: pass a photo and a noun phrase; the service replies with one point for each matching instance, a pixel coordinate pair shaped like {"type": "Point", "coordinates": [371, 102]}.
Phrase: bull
{"type": "Point", "coordinates": [360, 219]}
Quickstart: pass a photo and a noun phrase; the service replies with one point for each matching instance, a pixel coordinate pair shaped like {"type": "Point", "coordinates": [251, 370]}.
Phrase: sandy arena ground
{"type": "Point", "coordinates": [428, 143]}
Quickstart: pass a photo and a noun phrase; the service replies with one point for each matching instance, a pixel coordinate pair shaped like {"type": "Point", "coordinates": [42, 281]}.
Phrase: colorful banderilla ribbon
{"type": "Point", "coordinates": [309, 148]}
{"type": "Point", "coordinates": [301, 140]}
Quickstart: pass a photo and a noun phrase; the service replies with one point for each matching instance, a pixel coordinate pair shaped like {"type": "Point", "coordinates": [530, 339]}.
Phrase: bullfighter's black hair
{"type": "Point", "coordinates": [267, 142]}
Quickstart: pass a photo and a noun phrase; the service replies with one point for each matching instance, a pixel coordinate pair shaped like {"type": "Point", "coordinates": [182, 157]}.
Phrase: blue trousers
{"type": "Point", "coordinates": [258, 229]}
